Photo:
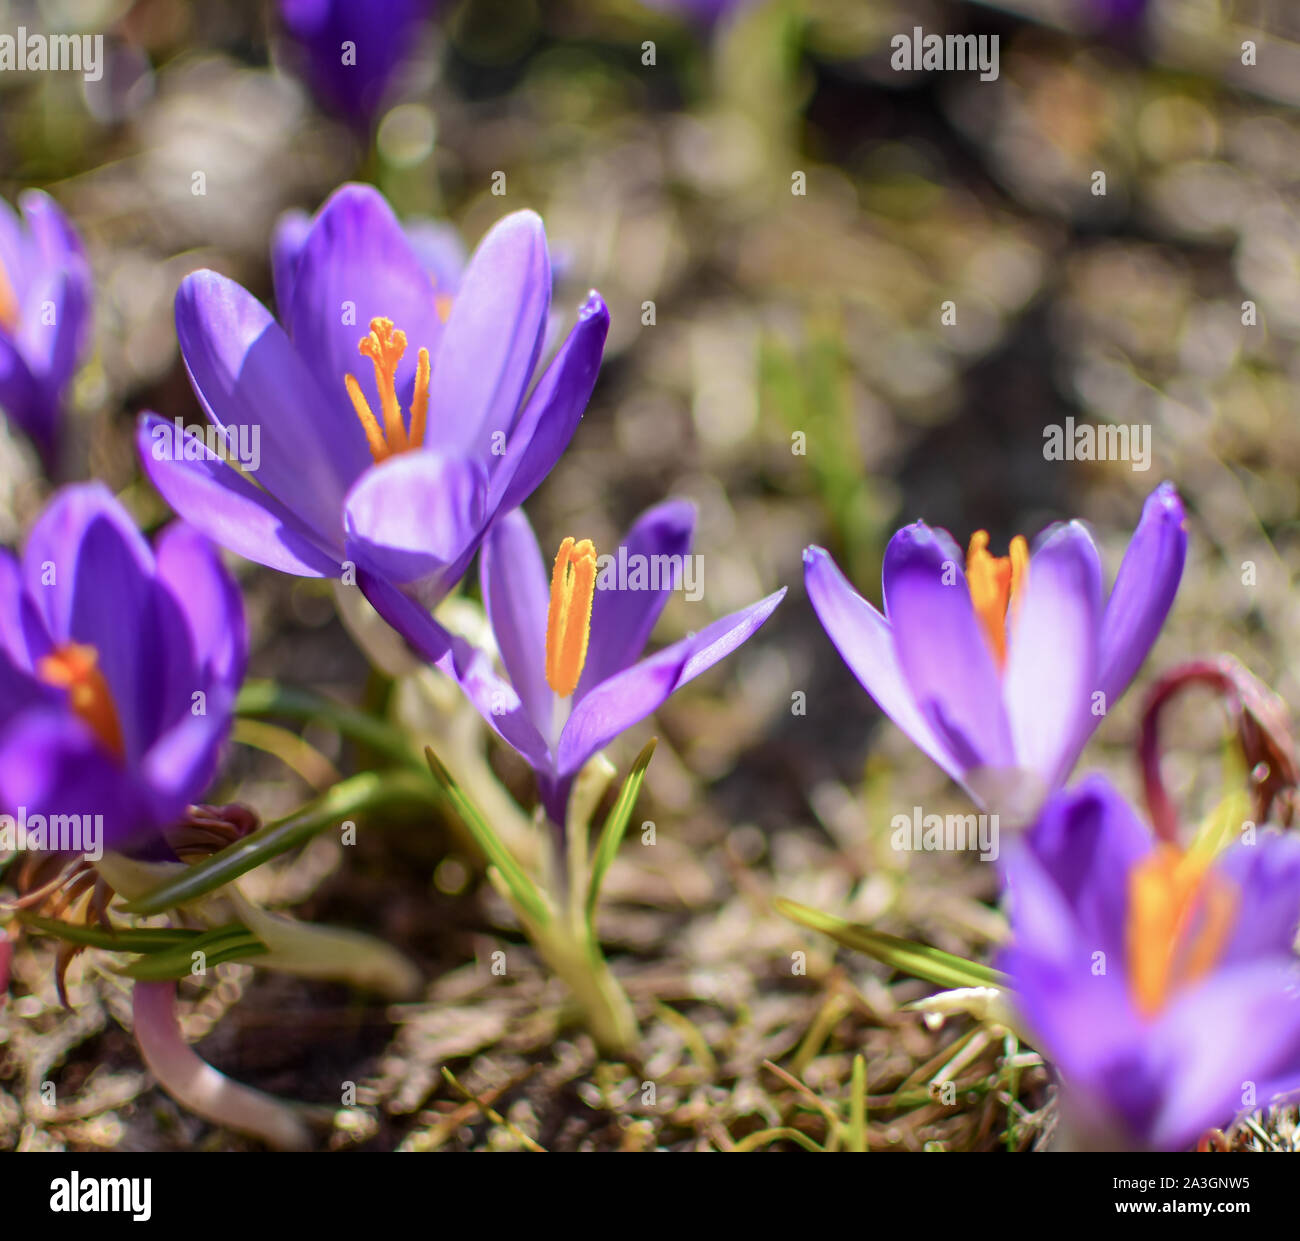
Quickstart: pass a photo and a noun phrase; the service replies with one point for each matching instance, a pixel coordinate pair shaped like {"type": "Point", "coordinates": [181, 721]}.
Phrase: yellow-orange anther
{"type": "Point", "coordinates": [442, 304]}
{"type": "Point", "coordinates": [385, 346]}
{"type": "Point", "coordinates": [1179, 918]}
{"type": "Point", "coordinates": [75, 667]}
{"type": "Point", "coordinates": [995, 582]}
{"type": "Point", "coordinates": [568, 619]}
{"type": "Point", "coordinates": [8, 302]}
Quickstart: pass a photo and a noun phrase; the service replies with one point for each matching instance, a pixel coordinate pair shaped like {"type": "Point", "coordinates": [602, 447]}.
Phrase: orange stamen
{"type": "Point", "coordinates": [568, 619]}
{"type": "Point", "coordinates": [1179, 919]}
{"type": "Point", "coordinates": [442, 304]}
{"type": "Point", "coordinates": [996, 582]}
{"type": "Point", "coordinates": [75, 667]}
{"type": "Point", "coordinates": [8, 303]}
{"type": "Point", "coordinates": [385, 347]}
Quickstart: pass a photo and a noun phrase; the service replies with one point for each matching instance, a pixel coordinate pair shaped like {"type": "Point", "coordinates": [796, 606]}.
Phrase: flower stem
{"type": "Point", "coordinates": [197, 1085]}
{"type": "Point", "coordinates": [606, 1010]}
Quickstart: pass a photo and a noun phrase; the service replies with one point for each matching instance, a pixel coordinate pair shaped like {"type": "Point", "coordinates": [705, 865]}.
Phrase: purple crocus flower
{"type": "Point", "coordinates": [119, 664]}
{"type": "Point", "coordinates": [573, 651]}
{"type": "Point", "coordinates": [345, 478]}
{"type": "Point", "coordinates": [44, 315]}
{"type": "Point", "coordinates": [1160, 982]}
{"type": "Point", "coordinates": [350, 49]}
{"type": "Point", "coordinates": [1000, 672]}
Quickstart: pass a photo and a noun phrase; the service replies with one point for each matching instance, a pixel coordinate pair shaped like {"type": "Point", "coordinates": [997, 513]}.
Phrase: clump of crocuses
{"type": "Point", "coordinates": [119, 665]}
{"type": "Point", "coordinates": [45, 294]}
{"type": "Point", "coordinates": [1161, 981]}
{"type": "Point", "coordinates": [1001, 668]}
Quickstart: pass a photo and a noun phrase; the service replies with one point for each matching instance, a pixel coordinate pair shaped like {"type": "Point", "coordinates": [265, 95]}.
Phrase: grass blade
{"type": "Point", "coordinates": [611, 835]}
{"type": "Point", "coordinates": [519, 884]}
{"type": "Point", "coordinates": [367, 791]}
{"type": "Point", "coordinates": [227, 943]}
{"type": "Point", "coordinates": [119, 939]}
{"type": "Point", "coordinates": [920, 960]}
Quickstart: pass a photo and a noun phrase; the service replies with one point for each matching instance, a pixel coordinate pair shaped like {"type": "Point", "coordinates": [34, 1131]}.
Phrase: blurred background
{"type": "Point", "coordinates": [779, 318]}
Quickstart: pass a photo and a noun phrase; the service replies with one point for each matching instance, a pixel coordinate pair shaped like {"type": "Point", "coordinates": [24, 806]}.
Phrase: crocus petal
{"type": "Point", "coordinates": [56, 241]}
{"type": "Point", "coordinates": [250, 380]}
{"type": "Point", "coordinates": [412, 517]}
{"type": "Point", "coordinates": [67, 580]}
{"type": "Point", "coordinates": [498, 704]}
{"type": "Point", "coordinates": [622, 619]}
{"type": "Point", "coordinates": [441, 251]}
{"type": "Point", "coordinates": [941, 649]}
{"type": "Point", "coordinates": [410, 619]}
{"type": "Point", "coordinates": [56, 322]}
{"type": "Point", "coordinates": [1068, 876]}
{"type": "Point", "coordinates": [553, 411]}
{"type": "Point", "coordinates": [1051, 667]}
{"type": "Point", "coordinates": [1241, 1025]}
{"type": "Point", "coordinates": [516, 595]}
{"type": "Point", "coordinates": [1144, 590]}
{"type": "Point", "coordinates": [21, 396]}
{"type": "Point", "coordinates": [182, 763]}
{"type": "Point", "coordinates": [216, 499]}
{"type": "Point", "coordinates": [1267, 877]}
{"type": "Point", "coordinates": [494, 335]}
{"type": "Point", "coordinates": [356, 265]}
{"type": "Point", "coordinates": [287, 240]}
{"type": "Point", "coordinates": [864, 640]}
{"type": "Point", "coordinates": [51, 763]}
{"type": "Point", "coordinates": [191, 569]}
{"type": "Point", "coordinates": [626, 699]}
{"type": "Point", "coordinates": [13, 640]}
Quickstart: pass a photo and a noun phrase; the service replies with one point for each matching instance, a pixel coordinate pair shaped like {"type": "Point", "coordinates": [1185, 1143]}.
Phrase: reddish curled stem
{"type": "Point", "coordinates": [1263, 733]}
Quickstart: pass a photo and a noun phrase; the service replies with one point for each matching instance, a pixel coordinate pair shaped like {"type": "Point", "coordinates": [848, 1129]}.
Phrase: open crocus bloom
{"type": "Point", "coordinates": [1001, 670]}
{"type": "Point", "coordinates": [119, 664]}
{"type": "Point", "coordinates": [572, 651]}
{"type": "Point", "coordinates": [390, 446]}
{"type": "Point", "coordinates": [1160, 982]}
{"type": "Point", "coordinates": [44, 315]}
{"type": "Point", "coordinates": [351, 49]}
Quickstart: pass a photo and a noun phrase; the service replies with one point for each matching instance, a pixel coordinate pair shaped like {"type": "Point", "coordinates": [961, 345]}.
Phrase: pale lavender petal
{"type": "Point", "coordinates": [516, 595]}
{"type": "Point", "coordinates": [1073, 866]}
{"type": "Point", "coordinates": [1144, 590]}
{"type": "Point", "coordinates": [441, 250]}
{"type": "Point", "coordinates": [494, 335]}
{"type": "Point", "coordinates": [941, 648]}
{"type": "Point", "coordinates": [413, 516]}
{"type": "Point", "coordinates": [1051, 666]}
{"type": "Point", "coordinates": [212, 496]}
{"type": "Point", "coordinates": [553, 411]}
{"type": "Point", "coordinates": [182, 763]}
{"type": "Point", "coordinates": [626, 699]}
{"type": "Point", "coordinates": [864, 640]}
{"type": "Point", "coordinates": [250, 380]}
{"type": "Point", "coordinates": [1267, 877]}
{"type": "Point", "coordinates": [287, 241]}
{"type": "Point", "coordinates": [191, 569]}
{"type": "Point", "coordinates": [622, 619]}
{"type": "Point", "coordinates": [1242, 1025]}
